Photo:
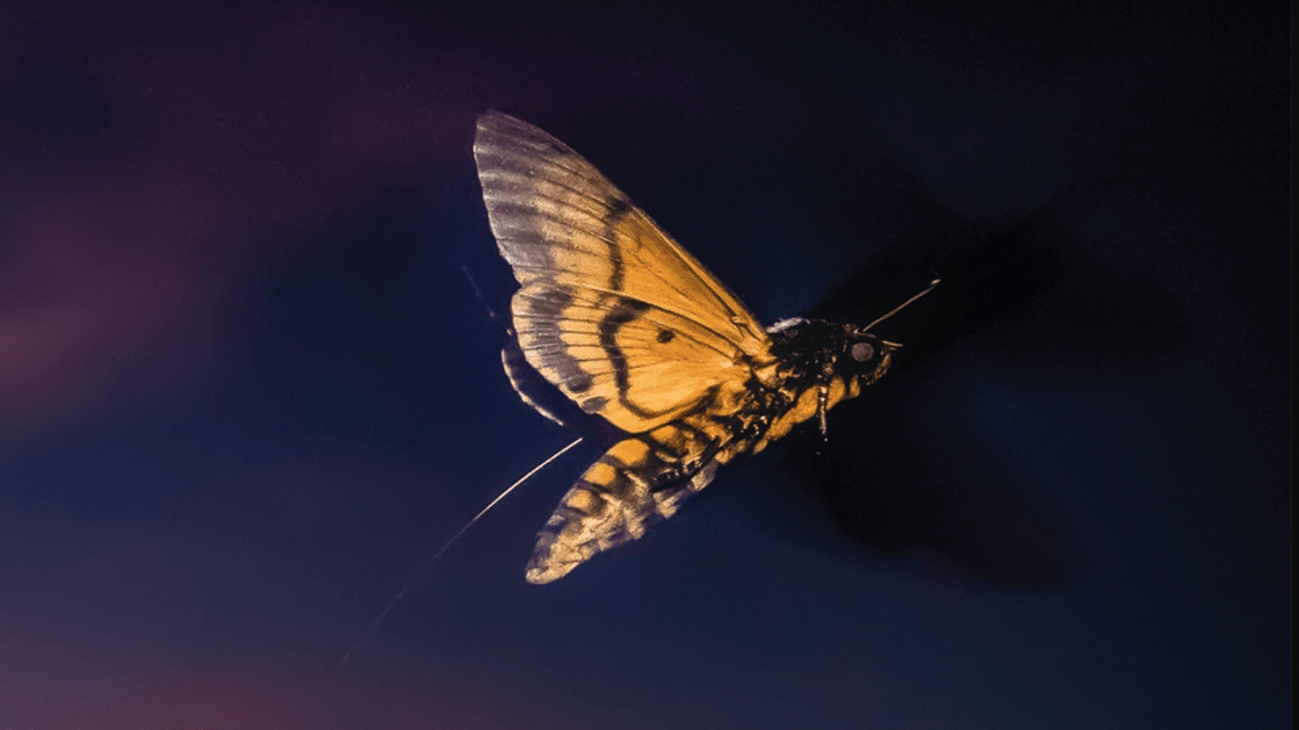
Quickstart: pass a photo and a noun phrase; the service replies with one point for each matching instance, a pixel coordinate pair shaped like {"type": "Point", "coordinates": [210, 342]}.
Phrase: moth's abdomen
{"type": "Point", "coordinates": [639, 481]}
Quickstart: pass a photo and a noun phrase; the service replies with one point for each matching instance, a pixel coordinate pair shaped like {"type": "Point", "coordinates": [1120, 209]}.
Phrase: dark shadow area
{"type": "Point", "coordinates": [894, 487]}
{"type": "Point", "coordinates": [904, 471]}
{"type": "Point", "coordinates": [1048, 309]}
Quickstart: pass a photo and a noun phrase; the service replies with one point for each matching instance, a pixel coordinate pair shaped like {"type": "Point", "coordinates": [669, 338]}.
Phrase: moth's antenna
{"type": "Point", "coordinates": [479, 293]}
{"type": "Point", "coordinates": [903, 305]}
{"type": "Point", "coordinates": [365, 635]}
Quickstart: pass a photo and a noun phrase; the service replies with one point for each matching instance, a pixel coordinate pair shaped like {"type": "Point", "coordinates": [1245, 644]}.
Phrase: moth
{"type": "Point", "coordinates": [632, 328]}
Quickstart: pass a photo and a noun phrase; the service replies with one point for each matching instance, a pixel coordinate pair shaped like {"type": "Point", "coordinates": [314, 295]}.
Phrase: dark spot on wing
{"type": "Point", "coordinates": [666, 336]}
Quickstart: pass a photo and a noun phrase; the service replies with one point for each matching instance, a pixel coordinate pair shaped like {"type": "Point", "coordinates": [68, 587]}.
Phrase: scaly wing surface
{"type": "Point", "coordinates": [611, 310]}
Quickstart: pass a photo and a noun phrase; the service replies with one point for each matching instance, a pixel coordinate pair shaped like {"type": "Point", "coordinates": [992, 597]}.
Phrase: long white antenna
{"type": "Point", "coordinates": [365, 635]}
{"type": "Point", "coordinates": [903, 305]}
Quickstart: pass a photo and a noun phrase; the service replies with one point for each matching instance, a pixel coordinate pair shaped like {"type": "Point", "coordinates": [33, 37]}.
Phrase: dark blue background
{"type": "Point", "coordinates": [246, 388]}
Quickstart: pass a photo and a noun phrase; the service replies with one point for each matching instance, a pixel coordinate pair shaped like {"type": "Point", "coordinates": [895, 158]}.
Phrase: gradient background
{"type": "Point", "coordinates": [246, 388]}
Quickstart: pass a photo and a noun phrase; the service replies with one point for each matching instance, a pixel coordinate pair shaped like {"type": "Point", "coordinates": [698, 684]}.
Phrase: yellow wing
{"type": "Point", "coordinates": [611, 310]}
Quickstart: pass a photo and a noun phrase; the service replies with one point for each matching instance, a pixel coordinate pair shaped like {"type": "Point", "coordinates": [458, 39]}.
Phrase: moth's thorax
{"type": "Point", "coordinates": [815, 364]}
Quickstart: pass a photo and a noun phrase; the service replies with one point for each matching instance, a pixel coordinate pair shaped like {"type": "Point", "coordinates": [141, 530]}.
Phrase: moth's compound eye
{"type": "Point", "coordinates": [862, 351]}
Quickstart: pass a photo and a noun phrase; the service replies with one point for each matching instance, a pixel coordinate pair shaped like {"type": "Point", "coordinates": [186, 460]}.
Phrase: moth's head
{"type": "Point", "coordinates": [865, 356]}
